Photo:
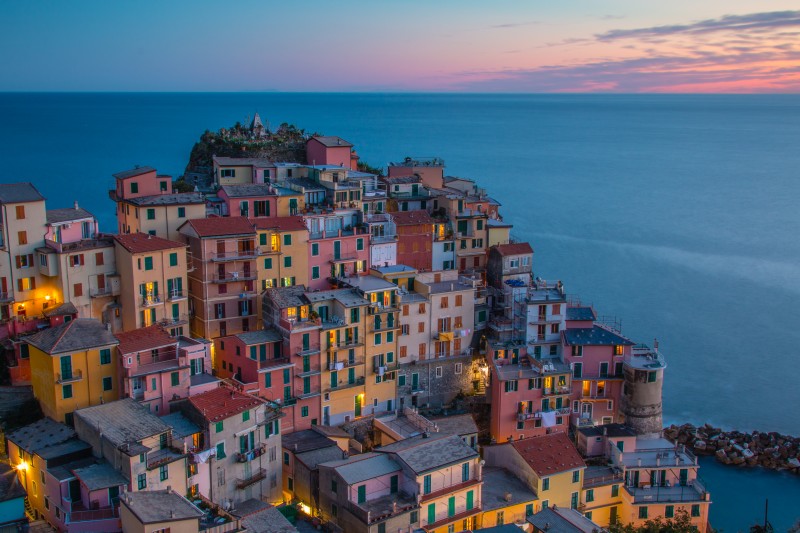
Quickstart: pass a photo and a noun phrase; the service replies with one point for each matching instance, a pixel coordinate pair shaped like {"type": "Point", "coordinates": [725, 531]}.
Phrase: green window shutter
{"type": "Point", "coordinates": [359, 244]}
{"type": "Point", "coordinates": [287, 261]}
{"type": "Point", "coordinates": [218, 427]}
{"type": "Point", "coordinates": [267, 380]}
{"type": "Point", "coordinates": [175, 377]}
{"type": "Point", "coordinates": [173, 259]}
{"type": "Point", "coordinates": [148, 263]}
{"type": "Point", "coordinates": [362, 493]}
{"type": "Point", "coordinates": [268, 263]}
{"type": "Point", "coordinates": [181, 212]}
{"type": "Point", "coordinates": [262, 239]}
{"type": "Point", "coordinates": [287, 239]}
{"type": "Point", "coordinates": [431, 513]}
{"type": "Point", "coordinates": [221, 451]}
{"type": "Point", "coordinates": [471, 500]}
{"type": "Point", "coordinates": [315, 249]}
{"type": "Point", "coordinates": [451, 506]}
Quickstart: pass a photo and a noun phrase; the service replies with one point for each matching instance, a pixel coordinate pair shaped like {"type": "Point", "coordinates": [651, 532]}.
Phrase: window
{"type": "Point", "coordinates": [314, 249]}
{"type": "Point", "coordinates": [287, 261]}
{"type": "Point", "coordinates": [227, 172]}
{"type": "Point", "coordinates": [511, 385]}
{"type": "Point", "coordinates": [669, 511]}
{"type": "Point", "coordinates": [107, 383]}
{"type": "Point", "coordinates": [465, 472]}
{"type": "Point", "coordinates": [643, 511]}
{"type": "Point", "coordinates": [695, 509]}
{"type": "Point", "coordinates": [77, 289]}
{"type": "Point", "coordinates": [175, 379]}
{"type": "Point", "coordinates": [20, 209]}
{"type": "Point", "coordinates": [459, 367]}
{"type": "Point", "coordinates": [651, 377]}
{"type": "Point", "coordinates": [221, 451]}
{"type": "Point", "coordinates": [529, 509]}
{"type": "Point", "coordinates": [22, 236]}
{"type": "Point", "coordinates": [589, 495]}
{"type": "Point", "coordinates": [304, 411]}
{"type": "Point", "coordinates": [286, 458]}
{"type": "Point", "coordinates": [141, 481]}
{"type": "Point", "coordinates": [614, 491]}
{"type": "Point", "coordinates": [362, 493]}
{"type": "Point", "coordinates": [173, 259]}
{"type": "Point", "coordinates": [414, 518]}
{"type": "Point", "coordinates": [287, 239]}
{"type": "Point", "coordinates": [359, 244]}
{"type": "Point", "coordinates": [577, 370]}
{"type": "Point", "coordinates": [426, 484]}
{"type": "Point", "coordinates": [66, 392]}
{"type": "Point", "coordinates": [401, 381]}
{"type": "Point", "coordinates": [134, 187]}
{"type": "Point", "coordinates": [445, 303]}
{"type": "Point", "coordinates": [218, 427]}
{"type": "Point", "coordinates": [151, 214]}
{"type": "Point", "coordinates": [162, 186]}
{"type": "Point", "coordinates": [181, 212]}
{"type": "Point", "coordinates": [315, 272]}
{"type": "Point", "coordinates": [163, 472]}
{"type": "Point", "coordinates": [334, 486]}
{"type": "Point", "coordinates": [148, 263]}
{"type": "Point", "coordinates": [576, 476]}
{"type": "Point", "coordinates": [378, 339]}
{"type": "Point", "coordinates": [546, 484]}
{"type": "Point", "coordinates": [439, 372]}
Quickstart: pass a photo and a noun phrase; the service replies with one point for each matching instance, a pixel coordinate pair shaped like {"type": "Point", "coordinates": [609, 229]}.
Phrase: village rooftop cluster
{"type": "Point", "coordinates": [375, 351]}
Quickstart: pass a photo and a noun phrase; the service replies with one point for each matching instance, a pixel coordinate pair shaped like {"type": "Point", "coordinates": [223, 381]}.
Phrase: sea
{"type": "Point", "coordinates": [677, 215]}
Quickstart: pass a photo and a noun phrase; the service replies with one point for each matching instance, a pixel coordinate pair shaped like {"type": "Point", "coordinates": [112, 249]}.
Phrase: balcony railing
{"type": "Point", "coordinates": [177, 295]}
{"type": "Point", "coordinates": [163, 456]}
{"type": "Point", "coordinates": [255, 477]}
{"type": "Point", "coordinates": [6, 297]}
{"type": "Point", "coordinates": [75, 375]}
{"type": "Point", "coordinates": [234, 255]}
{"type": "Point", "coordinates": [92, 515]}
{"type": "Point", "coordinates": [249, 455]}
{"type": "Point", "coordinates": [232, 277]}
{"type": "Point", "coordinates": [100, 292]}
{"type": "Point", "coordinates": [341, 365]}
{"type": "Point", "coordinates": [150, 301]}
{"type": "Point", "coordinates": [346, 384]}
{"type": "Point", "coordinates": [277, 361]}
{"type": "Point", "coordinates": [548, 391]}
{"type": "Point", "coordinates": [174, 320]}
{"type": "Point", "coordinates": [563, 411]}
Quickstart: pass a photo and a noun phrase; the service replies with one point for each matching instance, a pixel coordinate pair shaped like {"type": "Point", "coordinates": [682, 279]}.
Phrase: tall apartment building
{"type": "Point", "coordinates": [146, 203]}
{"type": "Point", "coordinates": [153, 283]}
{"type": "Point", "coordinates": [222, 280]}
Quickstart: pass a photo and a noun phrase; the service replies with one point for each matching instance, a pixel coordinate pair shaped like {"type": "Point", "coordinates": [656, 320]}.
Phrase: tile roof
{"type": "Point", "coordinates": [123, 423]}
{"type": "Point", "coordinates": [305, 441]}
{"type": "Point", "coordinates": [364, 466]}
{"type": "Point", "coordinates": [549, 454]}
{"type": "Point", "coordinates": [10, 487]}
{"type": "Point", "coordinates": [260, 336]}
{"type": "Point", "coordinates": [423, 454]}
{"type": "Point", "coordinates": [581, 313]}
{"type": "Point", "coordinates": [248, 189]}
{"type": "Point", "coordinates": [456, 424]}
{"type": "Point", "coordinates": [56, 216]}
{"type": "Point", "coordinates": [181, 426]}
{"type": "Point", "coordinates": [18, 193]}
{"type": "Point", "coordinates": [75, 335]}
{"type": "Point", "coordinates": [594, 336]}
{"type": "Point", "coordinates": [315, 457]}
{"type": "Point", "coordinates": [99, 476]}
{"type": "Point", "coordinates": [178, 198]}
{"type": "Point", "coordinates": [562, 520]}
{"type": "Point", "coordinates": [140, 243]}
{"type": "Point", "coordinates": [518, 248]}
{"type": "Point", "coordinates": [242, 161]}
{"type": "Point", "coordinates": [401, 180]}
{"type": "Point", "coordinates": [41, 434]}
{"type": "Point", "coordinates": [223, 402]}
{"type": "Point", "coordinates": [221, 226]}
{"type": "Point", "coordinates": [152, 506]}
{"type": "Point", "coordinates": [68, 447]}
{"type": "Point", "coordinates": [67, 308]}
{"type": "Point", "coordinates": [287, 296]}
{"type": "Point", "coordinates": [330, 140]}
{"type": "Point", "coordinates": [264, 520]}
{"type": "Point", "coordinates": [497, 483]}
{"type": "Point", "coordinates": [133, 172]}
{"type": "Point", "coordinates": [280, 223]}
{"type": "Point", "coordinates": [412, 218]}
{"type": "Point", "coordinates": [141, 339]}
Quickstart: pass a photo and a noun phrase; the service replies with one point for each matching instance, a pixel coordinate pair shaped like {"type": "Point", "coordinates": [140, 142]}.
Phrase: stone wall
{"type": "Point", "coordinates": [441, 380]}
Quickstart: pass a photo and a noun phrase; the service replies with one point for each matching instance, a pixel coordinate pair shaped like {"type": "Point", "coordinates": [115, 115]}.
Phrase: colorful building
{"type": "Point", "coordinates": [222, 281]}
{"type": "Point", "coordinates": [415, 238]}
{"type": "Point", "coordinates": [146, 204]}
{"type": "Point", "coordinates": [72, 367]}
{"type": "Point", "coordinates": [331, 150]}
{"type": "Point", "coordinates": [338, 247]}
{"type": "Point", "coordinates": [153, 283]}
{"type": "Point", "coordinates": [429, 169]}
{"type": "Point", "coordinates": [283, 243]}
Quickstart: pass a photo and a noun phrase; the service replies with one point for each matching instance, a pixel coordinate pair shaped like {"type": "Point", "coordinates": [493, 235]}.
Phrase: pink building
{"type": "Point", "coordinates": [338, 248]}
{"type": "Point", "coordinates": [530, 397]}
{"type": "Point", "coordinates": [429, 169]}
{"type": "Point", "coordinates": [596, 355]}
{"type": "Point", "coordinates": [329, 150]}
{"type": "Point", "coordinates": [222, 279]}
{"type": "Point", "coordinates": [157, 369]}
{"type": "Point", "coordinates": [255, 200]}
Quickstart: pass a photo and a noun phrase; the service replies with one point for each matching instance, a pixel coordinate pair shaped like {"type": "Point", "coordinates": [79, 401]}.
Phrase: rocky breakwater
{"type": "Point", "coordinates": [770, 450]}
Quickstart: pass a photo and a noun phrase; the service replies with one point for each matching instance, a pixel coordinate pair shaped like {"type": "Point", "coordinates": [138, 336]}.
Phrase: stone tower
{"type": "Point", "coordinates": [640, 404]}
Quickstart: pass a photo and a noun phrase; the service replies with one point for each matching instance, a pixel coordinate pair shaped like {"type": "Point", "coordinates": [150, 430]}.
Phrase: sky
{"type": "Point", "coordinates": [626, 46]}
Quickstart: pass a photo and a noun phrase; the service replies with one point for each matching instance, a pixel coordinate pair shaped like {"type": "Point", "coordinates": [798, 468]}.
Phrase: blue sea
{"type": "Point", "coordinates": [678, 214]}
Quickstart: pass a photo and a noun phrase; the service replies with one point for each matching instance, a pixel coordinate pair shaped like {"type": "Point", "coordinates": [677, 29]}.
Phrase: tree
{"type": "Point", "coordinates": [682, 523]}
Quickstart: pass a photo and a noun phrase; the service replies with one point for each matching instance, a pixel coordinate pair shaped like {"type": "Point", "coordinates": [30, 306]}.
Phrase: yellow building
{"type": "Point", "coordinates": [72, 367]}
{"type": "Point", "coordinates": [158, 511]}
{"type": "Point", "coordinates": [283, 243]}
{"type": "Point", "coordinates": [550, 465]}
{"type": "Point", "coordinates": [153, 284]}
{"type": "Point", "coordinates": [505, 499]}
{"type": "Point", "coordinates": [289, 201]}
{"type": "Point", "coordinates": [381, 341]}
{"type": "Point", "coordinates": [342, 314]}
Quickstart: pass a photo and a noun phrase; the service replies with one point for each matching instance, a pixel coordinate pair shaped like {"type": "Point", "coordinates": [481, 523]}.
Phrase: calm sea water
{"type": "Point", "coordinates": [675, 213]}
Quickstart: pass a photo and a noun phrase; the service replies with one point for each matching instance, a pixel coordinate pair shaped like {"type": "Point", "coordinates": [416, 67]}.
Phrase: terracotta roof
{"type": "Point", "coordinates": [140, 243]}
{"type": "Point", "coordinates": [330, 141]}
{"type": "Point", "coordinates": [280, 223]}
{"type": "Point", "coordinates": [514, 249]}
{"type": "Point", "coordinates": [221, 226]}
{"type": "Point", "coordinates": [411, 218]}
{"type": "Point", "coordinates": [144, 339]}
{"type": "Point", "coordinates": [222, 402]}
{"type": "Point", "coordinates": [549, 454]}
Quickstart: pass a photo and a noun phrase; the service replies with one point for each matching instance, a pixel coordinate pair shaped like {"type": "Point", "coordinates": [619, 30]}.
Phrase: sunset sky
{"type": "Point", "coordinates": [408, 45]}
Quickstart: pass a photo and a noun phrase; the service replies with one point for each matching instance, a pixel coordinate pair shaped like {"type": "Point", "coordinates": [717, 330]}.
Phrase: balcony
{"type": "Point", "coordinates": [233, 277]}
{"type": "Point", "coordinates": [308, 351]}
{"type": "Point", "coordinates": [693, 492]}
{"type": "Point", "coordinates": [162, 457]}
{"type": "Point", "coordinates": [341, 365]}
{"type": "Point", "coordinates": [100, 292]}
{"type": "Point", "coordinates": [375, 510]}
{"type": "Point", "coordinates": [563, 411]}
{"type": "Point", "coordinates": [6, 297]}
{"type": "Point", "coordinates": [151, 301]}
{"type": "Point", "coordinates": [255, 477]}
{"type": "Point", "coordinates": [345, 344]}
{"type": "Point", "coordinates": [258, 451]}
{"type": "Point", "coordinates": [278, 361]}
{"type": "Point", "coordinates": [451, 519]}
{"type": "Point", "coordinates": [308, 373]}
{"type": "Point", "coordinates": [75, 375]}
{"type": "Point", "coordinates": [358, 382]}
{"type": "Point", "coordinates": [93, 515]}
{"type": "Point", "coordinates": [384, 326]}
{"type": "Point", "coordinates": [175, 296]}
{"type": "Point", "coordinates": [236, 255]}
{"type": "Point", "coordinates": [174, 320]}
{"type": "Point", "coordinates": [555, 391]}
{"type": "Point", "coordinates": [464, 485]}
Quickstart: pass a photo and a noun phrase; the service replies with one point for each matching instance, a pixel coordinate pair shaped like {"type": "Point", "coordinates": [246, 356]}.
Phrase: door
{"type": "Point", "coordinates": [66, 367]}
{"type": "Point", "coordinates": [613, 515]}
{"type": "Point", "coordinates": [684, 477]}
{"type": "Point", "coordinates": [306, 342]}
{"type": "Point", "coordinates": [414, 381]}
{"type": "Point", "coordinates": [358, 405]}
{"type": "Point", "coordinates": [337, 250]}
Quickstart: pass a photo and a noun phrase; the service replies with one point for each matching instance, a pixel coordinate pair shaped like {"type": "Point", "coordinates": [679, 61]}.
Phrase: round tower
{"type": "Point", "coordinates": [640, 404]}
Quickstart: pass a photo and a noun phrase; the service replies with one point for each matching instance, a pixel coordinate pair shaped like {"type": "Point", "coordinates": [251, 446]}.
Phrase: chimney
{"type": "Point", "coordinates": [76, 205]}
